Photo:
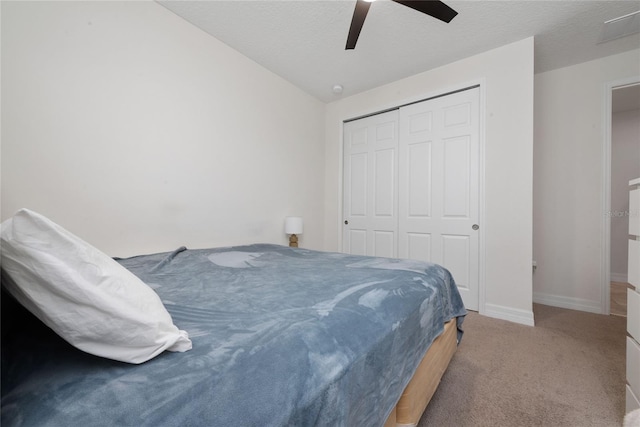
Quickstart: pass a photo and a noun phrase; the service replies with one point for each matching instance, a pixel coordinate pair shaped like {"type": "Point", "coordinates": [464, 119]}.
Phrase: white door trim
{"type": "Point", "coordinates": [481, 83]}
{"type": "Point", "coordinates": [482, 308]}
{"type": "Point", "coordinates": [605, 257]}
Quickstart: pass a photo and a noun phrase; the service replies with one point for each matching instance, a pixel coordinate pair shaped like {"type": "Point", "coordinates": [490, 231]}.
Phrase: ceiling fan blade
{"type": "Point", "coordinates": [359, 13]}
{"type": "Point", "coordinates": [434, 8]}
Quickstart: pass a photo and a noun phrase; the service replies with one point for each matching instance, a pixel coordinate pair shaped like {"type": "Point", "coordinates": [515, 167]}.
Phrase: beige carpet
{"type": "Point", "coordinates": [568, 370]}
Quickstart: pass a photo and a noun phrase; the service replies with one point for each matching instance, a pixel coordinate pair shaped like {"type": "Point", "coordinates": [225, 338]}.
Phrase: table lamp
{"type": "Point", "coordinates": [293, 226]}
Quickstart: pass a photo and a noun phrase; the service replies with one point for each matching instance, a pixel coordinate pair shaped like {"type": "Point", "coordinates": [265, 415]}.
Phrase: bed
{"type": "Point", "coordinates": [281, 337]}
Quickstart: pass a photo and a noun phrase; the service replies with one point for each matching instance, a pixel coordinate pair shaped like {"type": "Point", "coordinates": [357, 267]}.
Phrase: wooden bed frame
{"type": "Point", "coordinates": [425, 380]}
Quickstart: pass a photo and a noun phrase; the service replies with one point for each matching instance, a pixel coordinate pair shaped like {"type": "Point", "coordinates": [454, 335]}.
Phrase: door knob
{"type": "Point", "coordinates": [475, 226]}
{"type": "Point", "coordinates": [346, 222]}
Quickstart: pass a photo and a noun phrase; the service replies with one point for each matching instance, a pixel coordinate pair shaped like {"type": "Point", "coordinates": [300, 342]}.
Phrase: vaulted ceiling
{"type": "Point", "coordinates": [304, 40]}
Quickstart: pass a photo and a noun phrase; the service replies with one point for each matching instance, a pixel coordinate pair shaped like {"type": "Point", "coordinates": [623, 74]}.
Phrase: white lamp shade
{"type": "Point", "coordinates": [293, 225]}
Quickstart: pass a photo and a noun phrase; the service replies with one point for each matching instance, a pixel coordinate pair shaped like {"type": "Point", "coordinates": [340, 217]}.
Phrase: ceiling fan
{"type": "Point", "coordinates": [434, 8]}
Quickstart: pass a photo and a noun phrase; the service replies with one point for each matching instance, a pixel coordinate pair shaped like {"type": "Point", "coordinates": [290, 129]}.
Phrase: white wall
{"type": "Point", "coordinates": [507, 225]}
{"type": "Point", "coordinates": [568, 174]}
{"type": "Point", "coordinates": [625, 166]}
{"type": "Point", "coordinates": [140, 133]}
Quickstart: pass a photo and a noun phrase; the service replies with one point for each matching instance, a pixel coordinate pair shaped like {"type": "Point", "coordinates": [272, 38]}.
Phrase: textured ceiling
{"type": "Point", "coordinates": [303, 40]}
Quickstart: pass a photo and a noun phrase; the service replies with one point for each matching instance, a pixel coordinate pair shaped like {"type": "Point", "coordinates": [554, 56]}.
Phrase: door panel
{"type": "Point", "coordinates": [457, 115]}
{"type": "Point", "coordinates": [455, 255]}
{"type": "Point", "coordinates": [385, 183]}
{"type": "Point", "coordinates": [419, 191]}
{"type": "Point", "coordinates": [357, 242]}
{"type": "Point", "coordinates": [358, 179]}
{"type": "Point", "coordinates": [418, 246]}
{"type": "Point", "coordinates": [384, 244]}
{"type": "Point", "coordinates": [456, 177]}
{"type": "Point", "coordinates": [370, 176]}
{"type": "Point", "coordinates": [385, 131]}
{"type": "Point", "coordinates": [444, 178]}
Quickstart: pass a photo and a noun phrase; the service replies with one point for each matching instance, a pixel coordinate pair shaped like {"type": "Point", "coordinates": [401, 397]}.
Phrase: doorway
{"type": "Point", "coordinates": [622, 164]}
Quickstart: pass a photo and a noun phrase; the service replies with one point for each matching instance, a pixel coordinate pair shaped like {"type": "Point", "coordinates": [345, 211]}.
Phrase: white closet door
{"type": "Point", "coordinates": [439, 186]}
{"type": "Point", "coordinates": [370, 186]}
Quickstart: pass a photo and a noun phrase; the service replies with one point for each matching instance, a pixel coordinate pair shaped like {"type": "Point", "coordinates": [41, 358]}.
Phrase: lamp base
{"type": "Point", "coordinates": [293, 241]}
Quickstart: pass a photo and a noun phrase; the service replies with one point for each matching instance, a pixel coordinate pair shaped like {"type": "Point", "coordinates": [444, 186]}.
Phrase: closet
{"type": "Point", "coordinates": [412, 185]}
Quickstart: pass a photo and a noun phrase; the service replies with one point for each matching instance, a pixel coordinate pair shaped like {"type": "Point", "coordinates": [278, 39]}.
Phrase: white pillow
{"type": "Point", "coordinates": [86, 297]}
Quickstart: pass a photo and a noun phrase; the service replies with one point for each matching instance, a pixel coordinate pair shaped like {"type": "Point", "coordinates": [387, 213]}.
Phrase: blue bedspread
{"type": "Point", "coordinates": [281, 337]}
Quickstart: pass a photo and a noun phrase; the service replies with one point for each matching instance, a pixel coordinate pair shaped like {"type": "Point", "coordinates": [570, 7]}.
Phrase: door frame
{"type": "Point", "coordinates": [481, 84]}
{"type": "Point", "coordinates": [605, 257]}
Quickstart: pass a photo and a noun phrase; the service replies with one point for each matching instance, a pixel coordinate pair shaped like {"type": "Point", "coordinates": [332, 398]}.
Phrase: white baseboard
{"type": "Point", "coordinates": [523, 317]}
{"type": "Point", "coordinates": [568, 302]}
{"type": "Point", "coordinates": [619, 277]}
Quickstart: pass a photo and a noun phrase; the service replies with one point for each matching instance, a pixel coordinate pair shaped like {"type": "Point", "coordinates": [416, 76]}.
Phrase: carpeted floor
{"type": "Point", "coordinates": [568, 370]}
